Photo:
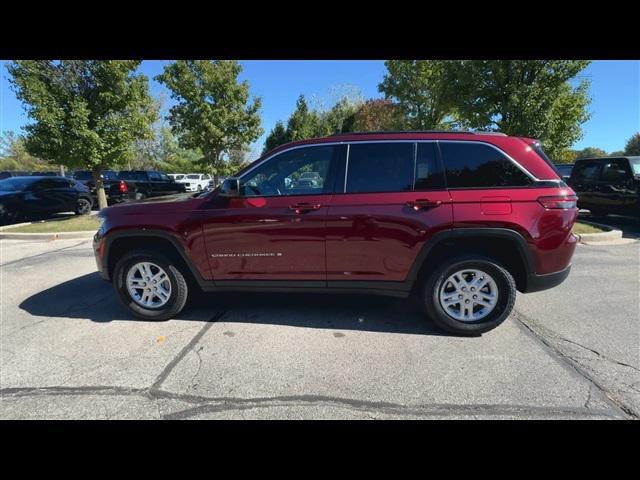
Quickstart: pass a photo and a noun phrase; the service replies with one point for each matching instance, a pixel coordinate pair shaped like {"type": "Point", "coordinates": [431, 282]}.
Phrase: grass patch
{"type": "Point", "coordinates": [586, 228]}
{"type": "Point", "coordinates": [76, 223]}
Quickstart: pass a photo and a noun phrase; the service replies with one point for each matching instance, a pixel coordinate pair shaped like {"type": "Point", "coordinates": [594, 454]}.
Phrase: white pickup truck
{"type": "Point", "coordinates": [195, 182]}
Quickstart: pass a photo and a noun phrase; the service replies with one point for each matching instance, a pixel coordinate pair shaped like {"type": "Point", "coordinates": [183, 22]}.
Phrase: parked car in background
{"type": "Point", "coordinates": [195, 182]}
{"type": "Point", "coordinates": [565, 170]}
{"type": "Point", "coordinates": [176, 176]}
{"type": "Point", "coordinates": [129, 185]}
{"type": "Point", "coordinates": [460, 220]}
{"type": "Point", "coordinates": [86, 178]}
{"type": "Point", "coordinates": [13, 173]}
{"type": "Point", "coordinates": [28, 197]}
{"type": "Point", "coordinates": [608, 185]}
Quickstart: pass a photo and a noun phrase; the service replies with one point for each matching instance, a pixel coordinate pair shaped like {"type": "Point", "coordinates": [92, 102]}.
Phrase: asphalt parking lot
{"type": "Point", "coordinates": [69, 350]}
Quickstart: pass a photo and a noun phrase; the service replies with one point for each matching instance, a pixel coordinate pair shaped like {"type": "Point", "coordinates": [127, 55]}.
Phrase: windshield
{"type": "Point", "coordinates": [635, 164]}
{"type": "Point", "coordinates": [193, 177]}
{"type": "Point", "coordinates": [16, 184]}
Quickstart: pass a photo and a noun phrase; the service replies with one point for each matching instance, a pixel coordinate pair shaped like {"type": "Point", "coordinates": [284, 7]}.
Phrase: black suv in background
{"type": "Point", "coordinates": [608, 185]}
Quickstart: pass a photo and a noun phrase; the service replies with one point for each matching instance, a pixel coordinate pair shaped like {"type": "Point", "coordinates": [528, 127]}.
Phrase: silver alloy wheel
{"type": "Point", "coordinates": [468, 295]}
{"type": "Point", "coordinates": [148, 285]}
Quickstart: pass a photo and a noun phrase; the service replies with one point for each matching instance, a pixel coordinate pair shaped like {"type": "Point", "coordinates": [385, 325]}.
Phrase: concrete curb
{"type": "Point", "coordinates": [46, 236]}
{"type": "Point", "coordinates": [611, 235]}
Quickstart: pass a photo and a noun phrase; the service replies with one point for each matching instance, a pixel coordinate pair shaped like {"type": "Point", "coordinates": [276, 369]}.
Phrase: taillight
{"type": "Point", "coordinates": [559, 202]}
{"type": "Point", "coordinates": [123, 187]}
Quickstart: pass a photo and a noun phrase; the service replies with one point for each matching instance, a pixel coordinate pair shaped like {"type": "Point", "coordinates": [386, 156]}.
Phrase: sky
{"type": "Point", "coordinates": [615, 93]}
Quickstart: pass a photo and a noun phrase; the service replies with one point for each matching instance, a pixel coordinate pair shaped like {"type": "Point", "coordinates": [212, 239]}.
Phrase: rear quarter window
{"type": "Point", "coordinates": [476, 165]}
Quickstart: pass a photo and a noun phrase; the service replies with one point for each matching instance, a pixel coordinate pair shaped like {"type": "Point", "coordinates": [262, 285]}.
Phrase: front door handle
{"type": "Point", "coordinates": [423, 203]}
{"type": "Point", "coordinates": [304, 207]}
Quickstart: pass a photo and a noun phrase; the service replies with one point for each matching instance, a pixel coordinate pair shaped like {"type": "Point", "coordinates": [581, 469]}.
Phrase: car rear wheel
{"type": "Point", "coordinates": [150, 285]}
{"type": "Point", "coordinates": [83, 206]}
{"type": "Point", "coordinates": [469, 295]}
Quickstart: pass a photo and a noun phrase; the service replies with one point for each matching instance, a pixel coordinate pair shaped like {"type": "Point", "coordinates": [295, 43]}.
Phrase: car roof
{"type": "Point", "coordinates": [604, 159]}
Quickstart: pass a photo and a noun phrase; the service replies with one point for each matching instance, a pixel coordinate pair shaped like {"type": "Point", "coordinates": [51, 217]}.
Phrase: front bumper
{"type": "Point", "coordinates": [537, 283]}
{"type": "Point", "coordinates": [99, 254]}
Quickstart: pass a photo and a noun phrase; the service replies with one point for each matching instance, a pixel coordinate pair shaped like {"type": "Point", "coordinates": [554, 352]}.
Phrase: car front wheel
{"type": "Point", "coordinates": [469, 296]}
{"type": "Point", "coordinates": [83, 206]}
{"type": "Point", "coordinates": [150, 285]}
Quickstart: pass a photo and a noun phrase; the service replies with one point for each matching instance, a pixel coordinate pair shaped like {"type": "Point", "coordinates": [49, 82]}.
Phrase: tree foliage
{"type": "Point", "coordinates": [85, 113]}
{"type": "Point", "coordinates": [379, 115]}
{"type": "Point", "coordinates": [632, 147]}
{"type": "Point", "coordinates": [213, 112]}
{"type": "Point", "coordinates": [531, 98]}
{"type": "Point", "coordinates": [14, 155]}
{"type": "Point", "coordinates": [425, 90]}
{"type": "Point", "coordinates": [591, 152]}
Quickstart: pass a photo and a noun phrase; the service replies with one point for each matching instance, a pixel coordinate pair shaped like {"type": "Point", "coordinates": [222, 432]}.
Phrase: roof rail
{"type": "Point", "coordinates": [462, 132]}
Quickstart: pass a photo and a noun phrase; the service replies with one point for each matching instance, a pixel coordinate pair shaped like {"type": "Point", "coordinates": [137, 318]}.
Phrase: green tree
{"type": "Point", "coordinates": [617, 153]}
{"type": "Point", "coordinates": [340, 118]}
{"type": "Point", "coordinates": [213, 112]}
{"type": "Point", "coordinates": [86, 113]}
{"type": "Point", "coordinates": [379, 115]}
{"type": "Point", "coordinates": [304, 123]}
{"type": "Point", "coordinates": [14, 154]}
{"type": "Point", "coordinates": [531, 98]}
{"type": "Point", "coordinates": [277, 136]}
{"type": "Point", "coordinates": [633, 146]}
{"type": "Point", "coordinates": [591, 152]}
{"type": "Point", "coordinates": [566, 156]}
{"type": "Point", "coordinates": [425, 90]}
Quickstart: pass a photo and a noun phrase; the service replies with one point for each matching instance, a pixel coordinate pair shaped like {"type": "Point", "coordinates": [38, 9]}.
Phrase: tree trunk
{"type": "Point", "coordinates": [102, 197]}
{"type": "Point", "coordinates": [62, 170]}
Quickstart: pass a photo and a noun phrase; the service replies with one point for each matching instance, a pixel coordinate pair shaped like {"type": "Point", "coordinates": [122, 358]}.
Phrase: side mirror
{"type": "Point", "coordinates": [230, 188]}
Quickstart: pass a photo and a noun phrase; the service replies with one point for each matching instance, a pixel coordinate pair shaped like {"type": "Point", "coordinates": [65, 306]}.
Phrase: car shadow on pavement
{"type": "Point", "coordinates": [89, 297]}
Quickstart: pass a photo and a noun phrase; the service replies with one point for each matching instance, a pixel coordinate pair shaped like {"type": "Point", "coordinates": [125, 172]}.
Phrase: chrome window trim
{"type": "Point", "coordinates": [511, 159]}
{"type": "Point", "coordinates": [414, 141]}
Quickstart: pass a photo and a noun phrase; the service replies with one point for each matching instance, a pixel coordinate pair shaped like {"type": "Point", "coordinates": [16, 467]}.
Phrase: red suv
{"type": "Point", "coordinates": [461, 220]}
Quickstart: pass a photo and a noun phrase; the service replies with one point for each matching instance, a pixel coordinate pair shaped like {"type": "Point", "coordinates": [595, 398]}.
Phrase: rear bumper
{"type": "Point", "coordinates": [536, 283]}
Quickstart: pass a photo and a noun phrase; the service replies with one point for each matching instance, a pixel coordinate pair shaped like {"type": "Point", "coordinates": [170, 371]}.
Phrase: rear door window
{"type": "Point", "coordinates": [380, 167]}
{"type": "Point", "coordinates": [585, 172]}
{"type": "Point", "coordinates": [615, 171]}
{"type": "Point", "coordinates": [475, 165]}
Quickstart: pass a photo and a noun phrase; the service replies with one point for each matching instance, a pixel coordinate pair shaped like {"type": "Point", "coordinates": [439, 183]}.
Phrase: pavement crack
{"type": "Point", "coordinates": [545, 335]}
{"type": "Point", "coordinates": [24, 259]}
{"type": "Point", "coordinates": [185, 350]}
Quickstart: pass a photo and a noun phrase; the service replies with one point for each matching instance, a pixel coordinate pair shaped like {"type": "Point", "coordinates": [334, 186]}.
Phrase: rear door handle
{"type": "Point", "coordinates": [423, 203]}
{"type": "Point", "coordinates": [304, 207]}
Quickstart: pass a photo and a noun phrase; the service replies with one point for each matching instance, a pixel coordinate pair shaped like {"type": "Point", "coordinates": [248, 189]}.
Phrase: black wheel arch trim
{"type": "Point", "coordinates": [109, 238]}
{"type": "Point", "coordinates": [485, 232]}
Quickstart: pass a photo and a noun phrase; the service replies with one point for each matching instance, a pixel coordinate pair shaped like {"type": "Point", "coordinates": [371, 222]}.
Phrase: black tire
{"type": "Point", "coordinates": [140, 196]}
{"type": "Point", "coordinates": [505, 284]}
{"type": "Point", "coordinates": [83, 206]}
{"type": "Point", "coordinates": [179, 286]}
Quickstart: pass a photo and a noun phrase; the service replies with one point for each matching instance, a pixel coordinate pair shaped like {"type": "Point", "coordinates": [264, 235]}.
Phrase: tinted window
{"type": "Point", "coordinates": [15, 184]}
{"type": "Point", "coordinates": [283, 174]}
{"type": "Point", "coordinates": [135, 176]}
{"type": "Point", "coordinates": [429, 173]}
{"type": "Point", "coordinates": [585, 172]}
{"type": "Point", "coordinates": [473, 165]}
{"type": "Point", "coordinates": [615, 171]}
{"type": "Point", "coordinates": [155, 176]}
{"type": "Point", "coordinates": [380, 167]}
